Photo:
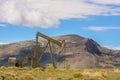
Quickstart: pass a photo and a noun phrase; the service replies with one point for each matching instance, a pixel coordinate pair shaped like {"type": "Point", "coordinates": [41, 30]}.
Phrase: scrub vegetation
{"type": "Point", "coordinates": [49, 73]}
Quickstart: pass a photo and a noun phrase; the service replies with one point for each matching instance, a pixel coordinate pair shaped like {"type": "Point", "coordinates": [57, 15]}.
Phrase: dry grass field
{"type": "Point", "coordinates": [49, 73]}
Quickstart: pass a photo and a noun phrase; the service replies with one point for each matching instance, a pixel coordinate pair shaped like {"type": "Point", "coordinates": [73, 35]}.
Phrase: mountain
{"type": "Point", "coordinates": [79, 52]}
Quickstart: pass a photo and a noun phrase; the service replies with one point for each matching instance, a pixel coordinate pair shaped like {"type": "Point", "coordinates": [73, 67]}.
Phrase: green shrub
{"type": "Point", "coordinates": [9, 78]}
{"type": "Point", "coordinates": [77, 75]}
{"type": "Point", "coordinates": [59, 79]}
{"type": "Point", "coordinates": [49, 68]}
{"type": "Point", "coordinates": [69, 79]}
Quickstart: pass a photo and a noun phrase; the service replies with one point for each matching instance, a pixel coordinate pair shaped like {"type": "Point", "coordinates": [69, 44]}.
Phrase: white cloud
{"type": "Point", "coordinates": [2, 25]}
{"type": "Point", "coordinates": [48, 13]}
{"type": "Point", "coordinates": [113, 47]}
{"type": "Point", "coordinates": [95, 28]}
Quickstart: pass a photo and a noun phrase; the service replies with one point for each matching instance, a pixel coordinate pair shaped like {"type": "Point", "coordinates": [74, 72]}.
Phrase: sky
{"type": "Point", "coordinates": [95, 19]}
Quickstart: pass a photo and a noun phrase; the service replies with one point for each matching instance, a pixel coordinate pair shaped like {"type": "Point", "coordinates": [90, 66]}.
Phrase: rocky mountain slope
{"type": "Point", "coordinates": [79, 52]}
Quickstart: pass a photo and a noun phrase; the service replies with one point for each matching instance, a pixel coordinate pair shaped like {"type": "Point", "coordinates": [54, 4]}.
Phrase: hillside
{"type": "Point", "coordinates": [79, 52]}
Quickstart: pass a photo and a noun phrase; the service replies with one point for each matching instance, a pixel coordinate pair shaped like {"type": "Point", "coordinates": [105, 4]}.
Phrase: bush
{"type": "Point", "coordinates": [59, 79]}
{"type": "Point", "coordinates": [49, 68]}
{"type": "Point", "coordinates": [9, 78]}
{"type": "Point", "coordinates": [77, 75]}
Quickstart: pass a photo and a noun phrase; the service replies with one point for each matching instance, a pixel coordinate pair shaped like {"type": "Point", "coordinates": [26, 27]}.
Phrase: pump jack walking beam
{"type": "Point", "coordinates": [61, 44]}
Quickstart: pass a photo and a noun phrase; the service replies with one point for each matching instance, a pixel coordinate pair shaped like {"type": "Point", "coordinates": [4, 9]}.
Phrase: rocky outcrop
{"type": "Point", "coordinates": [92, 47]}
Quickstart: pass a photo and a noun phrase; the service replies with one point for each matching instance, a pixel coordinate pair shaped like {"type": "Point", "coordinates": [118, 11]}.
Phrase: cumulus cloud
{"type": "Point", "coordinates": [113, 47]}
{"type": "Point", "coordinates": [48, 13]}
{"type": "Point", "coordinates": [95, 28]}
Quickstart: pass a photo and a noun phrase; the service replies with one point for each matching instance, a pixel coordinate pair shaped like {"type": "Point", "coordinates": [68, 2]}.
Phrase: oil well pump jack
{"type": "Point", "coordinates": [35, 61]}
{"type": "Point", "coordinates": [49, 41]}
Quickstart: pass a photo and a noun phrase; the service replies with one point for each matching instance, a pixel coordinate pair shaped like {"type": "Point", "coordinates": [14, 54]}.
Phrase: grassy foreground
{"type": "Point", "coordinates": [27, 73]}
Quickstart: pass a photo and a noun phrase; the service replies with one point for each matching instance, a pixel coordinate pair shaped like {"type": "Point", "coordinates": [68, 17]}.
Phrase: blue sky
{"type": "Point", "coordinates": [96, 19]}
